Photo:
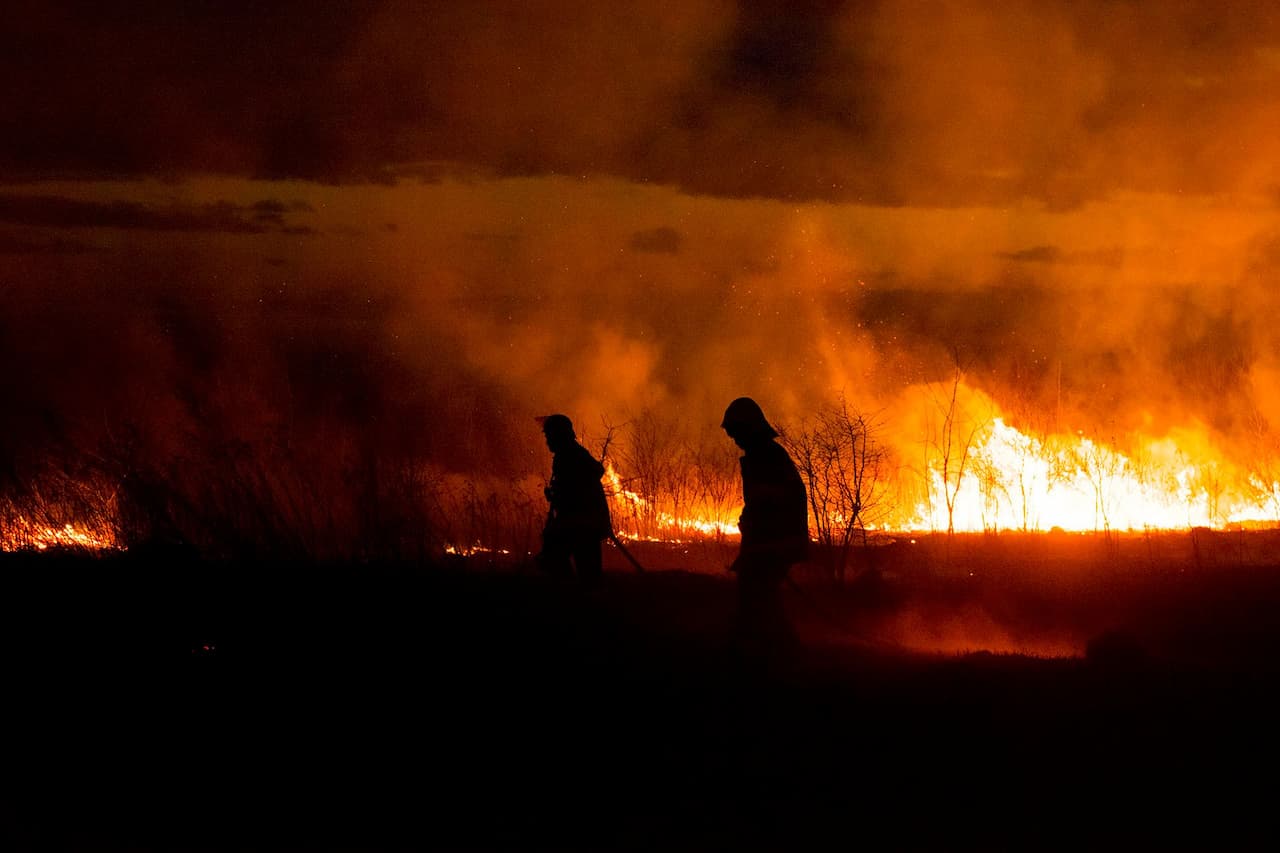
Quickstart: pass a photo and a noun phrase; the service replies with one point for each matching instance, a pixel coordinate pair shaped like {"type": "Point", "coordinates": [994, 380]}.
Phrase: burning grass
{"type": "Point", "coordinates": [62, 510]}
{"type": "Point", "coordinates": [339, 496]}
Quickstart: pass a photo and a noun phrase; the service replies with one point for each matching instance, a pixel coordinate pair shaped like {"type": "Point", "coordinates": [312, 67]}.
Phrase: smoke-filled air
{"type": "Point", "coordinates": [307, 280]}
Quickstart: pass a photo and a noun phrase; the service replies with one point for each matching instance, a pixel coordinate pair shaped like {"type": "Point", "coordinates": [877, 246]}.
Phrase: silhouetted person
{"type": "Point", "coordinates": [775, 532]}
{"type": "Point", "coordinates": [578, 517]}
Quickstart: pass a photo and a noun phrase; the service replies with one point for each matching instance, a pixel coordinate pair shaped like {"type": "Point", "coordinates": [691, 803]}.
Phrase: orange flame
{"type": "Point", "coordinates": [22, 534]}
{"type": "Point", "coordinates": [1015, 481]}
{"type": "Point", "coordinates": [668, 526]}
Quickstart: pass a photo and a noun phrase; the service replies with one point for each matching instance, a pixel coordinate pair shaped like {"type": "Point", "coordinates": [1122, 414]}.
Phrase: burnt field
{"type": "Point", "coordinates": [1000, 692]}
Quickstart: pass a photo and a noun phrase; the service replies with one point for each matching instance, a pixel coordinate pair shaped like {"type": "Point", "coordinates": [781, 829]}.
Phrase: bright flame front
{"type": "Point", "coordinates": [22, 534]}
{"type": "Point", "coordinates": [1014, 481]}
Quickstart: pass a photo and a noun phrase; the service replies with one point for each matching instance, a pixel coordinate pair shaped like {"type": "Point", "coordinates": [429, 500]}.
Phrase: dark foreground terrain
{"type": "Point", "coordinates": [163, 704]}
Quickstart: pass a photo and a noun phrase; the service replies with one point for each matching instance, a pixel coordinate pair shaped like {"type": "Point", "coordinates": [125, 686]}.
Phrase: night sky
{"type": "Point", "coordinates": [418, 225]}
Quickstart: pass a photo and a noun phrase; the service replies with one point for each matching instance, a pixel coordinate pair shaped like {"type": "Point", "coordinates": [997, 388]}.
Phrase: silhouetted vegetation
{"type": "Point", "coordinates": [846, 469]}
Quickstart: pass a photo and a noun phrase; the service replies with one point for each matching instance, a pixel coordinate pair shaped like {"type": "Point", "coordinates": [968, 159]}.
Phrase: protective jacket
{"type": "Point", "coordinates": [775, 510]}
{"type": "Point", "coordinates": [578, 505]}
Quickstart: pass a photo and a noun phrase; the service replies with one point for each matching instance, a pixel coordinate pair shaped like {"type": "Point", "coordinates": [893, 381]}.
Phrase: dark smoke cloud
{"type": "Point", "coordinates": [665, 240]}
{"type": "Point", "coordinates": [1110, 257]}
{"type": "Point", "coordinates": [12, 244]}
{"type": "Point", "coordinates": [950, 102]}
{"type": "Point", "coordinates": [61, 212]}
{"type": "Point", "coordinates": [1036, 254]}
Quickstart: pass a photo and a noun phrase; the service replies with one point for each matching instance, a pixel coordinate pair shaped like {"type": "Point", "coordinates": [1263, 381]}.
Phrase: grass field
{"type": "Point", "coordinates": [994, 694]}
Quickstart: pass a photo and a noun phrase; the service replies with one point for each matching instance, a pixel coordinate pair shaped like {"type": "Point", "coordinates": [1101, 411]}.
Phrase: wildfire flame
{"type": "Point", "coordinates": [1004, 479]}
{"type": "Point", "coordinates": [669, 527]}
{"type": "Point", "coordinates": [1011, 480]}
{"type": "Point", "coordinates": [473, 549]}
{"type": "Point", "coordinates": [22, 534]}
{"type": "Point", "coordinates": [1015, 481]}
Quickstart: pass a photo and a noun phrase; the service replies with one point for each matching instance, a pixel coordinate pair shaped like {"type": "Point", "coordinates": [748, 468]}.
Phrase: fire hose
{"type": "Point", "coordinates": [613, 537]}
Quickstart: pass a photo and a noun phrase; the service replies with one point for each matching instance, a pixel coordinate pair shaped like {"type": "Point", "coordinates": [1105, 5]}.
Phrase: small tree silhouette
{"type": "Point", "coordinates": [949, 444]}
{"type": "Point", "coordinates": [844, 466]}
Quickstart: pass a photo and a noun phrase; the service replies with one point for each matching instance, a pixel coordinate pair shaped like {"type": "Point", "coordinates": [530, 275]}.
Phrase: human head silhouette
{"type": "Point", "coordinates": [745, 423]}
{"type": "Point", "coordinates": [558, 430]}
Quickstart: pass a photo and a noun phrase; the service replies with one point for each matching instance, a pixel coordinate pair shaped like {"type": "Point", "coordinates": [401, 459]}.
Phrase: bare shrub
{"type": "Point", "coordinates": [846, 469]}
{"type": "Point", "coordinates": [674, 481]}
{"type": "Point", "coordinates": [949, 443]}
{"type": "Point", "coordinates": [62, 503]}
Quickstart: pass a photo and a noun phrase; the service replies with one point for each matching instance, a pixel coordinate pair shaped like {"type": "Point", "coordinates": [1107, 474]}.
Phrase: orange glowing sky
{"type": "Point", "coordinates": [393, 214]}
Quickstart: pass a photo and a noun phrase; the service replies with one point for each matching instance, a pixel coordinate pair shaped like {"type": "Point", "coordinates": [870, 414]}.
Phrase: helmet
{"type": "Point", "coordinates": [558, 425]}
{"type": "Point", "coordinates": [744, 418]}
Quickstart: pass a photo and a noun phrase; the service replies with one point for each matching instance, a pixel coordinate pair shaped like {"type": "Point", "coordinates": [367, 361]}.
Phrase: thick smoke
{"type": "Point", "coordinates": [900, 103]}
{"type": "Point", "coordinates": [513, 298]}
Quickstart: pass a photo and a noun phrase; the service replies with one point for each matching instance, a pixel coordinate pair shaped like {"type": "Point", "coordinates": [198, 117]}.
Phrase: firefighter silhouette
{"type": "Point", "coordinates": [578, 514]}
{"type": "Point", "coordinates": [775, 531]}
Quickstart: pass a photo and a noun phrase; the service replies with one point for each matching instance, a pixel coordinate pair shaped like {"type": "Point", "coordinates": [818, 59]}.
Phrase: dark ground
{"type": "Point", "coordinates": [376, 708]}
